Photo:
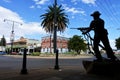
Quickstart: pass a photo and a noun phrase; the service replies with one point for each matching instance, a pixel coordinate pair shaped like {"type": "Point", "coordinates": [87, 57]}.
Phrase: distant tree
{"type": "Point", "coordinates": [77, 44]}
{"type": "Point", "coordinates": [3, 41]}
{"type": "Point", "coordinates": [117, 43]}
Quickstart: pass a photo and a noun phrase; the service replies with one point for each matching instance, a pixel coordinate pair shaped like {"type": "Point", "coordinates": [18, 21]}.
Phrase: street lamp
{"type": "Point", "coordinates": [12, 32]}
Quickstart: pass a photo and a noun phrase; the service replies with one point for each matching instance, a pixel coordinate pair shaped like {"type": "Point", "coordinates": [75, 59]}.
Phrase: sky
{"type": "Point", "coordinates": [27, 13]}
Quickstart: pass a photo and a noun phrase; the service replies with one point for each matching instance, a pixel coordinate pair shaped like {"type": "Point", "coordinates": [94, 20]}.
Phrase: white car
{"type": "Point", "coordinates": [118, 51]}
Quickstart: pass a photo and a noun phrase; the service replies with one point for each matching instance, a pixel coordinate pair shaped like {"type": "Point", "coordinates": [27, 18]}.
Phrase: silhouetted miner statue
{"type": "Point", "coordinates": [100, 34]}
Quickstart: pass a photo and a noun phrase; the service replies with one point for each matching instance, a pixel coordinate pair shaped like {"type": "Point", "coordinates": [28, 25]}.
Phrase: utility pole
{"type": "Point", "coordinates": [12, 32]}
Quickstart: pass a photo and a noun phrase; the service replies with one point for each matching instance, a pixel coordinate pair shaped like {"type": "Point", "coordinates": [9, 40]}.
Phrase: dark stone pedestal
{"type": "Point", "coordinates": [106, 67]}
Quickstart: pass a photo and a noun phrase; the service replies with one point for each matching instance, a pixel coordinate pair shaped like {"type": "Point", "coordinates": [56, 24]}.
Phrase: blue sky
{"type": "Point", "coordinates": [28, 13]}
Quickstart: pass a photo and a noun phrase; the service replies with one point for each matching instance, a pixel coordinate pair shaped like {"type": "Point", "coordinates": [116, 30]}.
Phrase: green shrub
{"type": "Point", "coordinates": [72, 52]}
{"type": "Point", "coordinates": [35, 53]}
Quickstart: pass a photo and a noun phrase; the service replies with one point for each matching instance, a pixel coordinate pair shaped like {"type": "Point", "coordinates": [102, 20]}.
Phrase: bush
{"type": "Point", "coordinates": [71, 53]}
{"type": "Point", "coordinates": [35, 53]}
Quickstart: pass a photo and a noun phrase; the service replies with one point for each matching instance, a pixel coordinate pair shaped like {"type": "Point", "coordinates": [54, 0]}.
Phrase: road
{"type": "Point", "coordinates": [8, 63]}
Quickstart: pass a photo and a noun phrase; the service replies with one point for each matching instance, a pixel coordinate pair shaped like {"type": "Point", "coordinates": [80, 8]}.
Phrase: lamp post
{"type": "Point", "coordinates": [12, 32]}
{"type": "Point", "coordinates": [56, 67]}
{"type": "Point", "coordinates": [12, 39]}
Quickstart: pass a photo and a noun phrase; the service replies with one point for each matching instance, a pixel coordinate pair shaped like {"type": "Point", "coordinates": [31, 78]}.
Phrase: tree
{"type": "Point", "coordinates": [117, 43]}
{"type": "Point", "coordinates": [54, 20]}
{"type": "Point", "coordinates": [3, 41]}
{"type": "Point", "coordinates": [48, 19]}
{"type": "Point", "coordinates": [77, 44]}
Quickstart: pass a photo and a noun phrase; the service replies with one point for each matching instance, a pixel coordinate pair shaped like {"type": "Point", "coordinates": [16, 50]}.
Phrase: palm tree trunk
{"type": "Point", "coordinates": [55, 38]}
{"type": "Point", "coordinates": [55, 27]}
{"type": "Point", "coordinates": [50, 44]}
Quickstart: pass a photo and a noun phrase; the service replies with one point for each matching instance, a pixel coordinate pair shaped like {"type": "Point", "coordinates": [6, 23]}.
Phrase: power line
{"type": "Point", "coordinates": [107, 11]}
{"type": "Point", "coordinates": [112, 11]}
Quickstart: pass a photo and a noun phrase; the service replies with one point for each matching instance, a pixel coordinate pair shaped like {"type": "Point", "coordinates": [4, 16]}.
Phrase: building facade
{"type": "Point", "coordinates": [47, 44]}
{"type": "Point", "coordinates": [20, 44]}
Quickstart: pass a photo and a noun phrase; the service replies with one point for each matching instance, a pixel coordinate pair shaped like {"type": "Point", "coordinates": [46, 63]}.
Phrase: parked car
{"type": "Point", "coordinates": [14, 53]}
{"type": "Point", "coordinates": [2, 52]}
{"type": "Point", "coordinates": [29, 51]}
{"type": "Point", "coordinates": [118, 51]}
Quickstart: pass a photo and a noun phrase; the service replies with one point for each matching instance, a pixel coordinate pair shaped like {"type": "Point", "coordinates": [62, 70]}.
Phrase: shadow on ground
{"type": "Point", "coordinates": [67, 73]}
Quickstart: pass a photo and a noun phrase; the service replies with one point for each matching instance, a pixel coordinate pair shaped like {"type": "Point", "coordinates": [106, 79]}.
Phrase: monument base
{"type": "Point", "coordinates": [106, 67]}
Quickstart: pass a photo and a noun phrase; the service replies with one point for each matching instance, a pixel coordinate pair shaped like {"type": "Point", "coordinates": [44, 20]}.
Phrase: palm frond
{"type": "Point", "coordinates": [48, 19]}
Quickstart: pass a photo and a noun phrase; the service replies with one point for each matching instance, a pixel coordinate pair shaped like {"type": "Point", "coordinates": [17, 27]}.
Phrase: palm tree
{"type": "Point", "coordinates": [49, 22]}
{"type": "Point", "coordinates": [55, 20]}
{"type": "Point", "coordinates": [48, 19]}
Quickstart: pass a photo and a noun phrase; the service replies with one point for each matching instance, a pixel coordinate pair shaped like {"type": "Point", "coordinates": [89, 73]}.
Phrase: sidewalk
{"type": "Point", "coordinates": [28, 56]}
{"type": "Point", "coordinates": [66, 73]}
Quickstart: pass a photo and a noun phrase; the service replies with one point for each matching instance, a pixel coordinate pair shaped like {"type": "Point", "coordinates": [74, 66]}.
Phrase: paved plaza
{"type": "Point", "coordinates": [43, 69]}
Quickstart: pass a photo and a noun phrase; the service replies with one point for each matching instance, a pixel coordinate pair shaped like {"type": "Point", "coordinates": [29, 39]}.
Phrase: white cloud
{"type": "Point", "coordinates": [40, 1]}
{"type": "Point", "coordinates": [73, 10]}
{"type": "Point", "coordinates": [89, 1]}
{"type": "Point", "coordinates": [8, 1]}
{"type": "Point", "coordinates": [26, 30]}
{"type": "Point", "coordinates": [32, 28]}
{"type": "Point", "coordinates": [84, 1]}
{"type": "Point", "coordinates": [6, 13]}
{"type": "Point", "coordinates": [66, 33]}
{"type": "Point", "coordinates": [32, 6]}
{"type": "Point", "coordinates": [75, 1]}
{"type": "Point", "coordinates": [112, 43]}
